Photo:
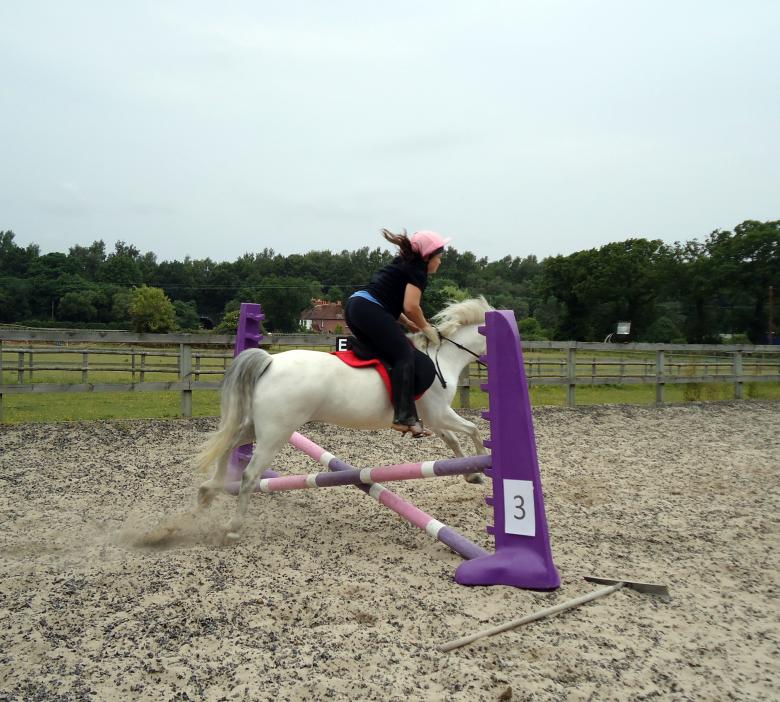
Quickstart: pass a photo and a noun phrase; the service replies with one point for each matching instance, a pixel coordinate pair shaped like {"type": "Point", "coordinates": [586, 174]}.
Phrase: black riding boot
{"type": "Point", "coordinates": [402, 382]}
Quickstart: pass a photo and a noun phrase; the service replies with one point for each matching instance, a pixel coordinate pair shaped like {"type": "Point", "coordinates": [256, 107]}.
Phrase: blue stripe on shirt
{"type": "Point", "coordinates": [366, 296]}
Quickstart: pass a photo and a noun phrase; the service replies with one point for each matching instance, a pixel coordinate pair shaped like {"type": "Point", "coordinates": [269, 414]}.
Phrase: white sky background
{"type": "Point", "coordinates": [214, 129]}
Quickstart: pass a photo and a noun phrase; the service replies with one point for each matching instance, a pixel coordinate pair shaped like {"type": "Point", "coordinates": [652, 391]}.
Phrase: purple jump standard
{"type": "Point", "coordinates": [249, 334]}
{"type": "Point", "coordinates": [523, 557]}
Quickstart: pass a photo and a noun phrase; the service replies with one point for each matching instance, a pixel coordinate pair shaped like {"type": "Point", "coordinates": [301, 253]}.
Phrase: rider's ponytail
{"type": "Point", "coordinates": [402, 242]}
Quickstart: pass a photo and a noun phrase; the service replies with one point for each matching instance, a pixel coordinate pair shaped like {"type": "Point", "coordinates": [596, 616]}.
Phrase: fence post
{"type": "Point", "coordinates": [30, 369]}
{"type": "Point", "coordinates": [197, 367]}
{"type": "Point", "coordinates": [571, 372]}
{"type": "Point", "coordinates": [737, 371]}
{"type": "Point", "coordinates": [20, 368]}
{"type": "Point", "coordinates": [84, 367]}
{"type": "Point", "coordinates": [464, 388]}
{"type": "Point", "coordinates": [142, 373]}
{"type": "Point", "coordinates": [185, 376]}
{"type": "Point", "coordinates": [659, 379]}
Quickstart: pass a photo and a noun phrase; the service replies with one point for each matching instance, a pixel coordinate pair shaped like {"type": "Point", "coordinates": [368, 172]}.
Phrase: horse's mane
{"type": "Point", "coordinates": [457, 314]}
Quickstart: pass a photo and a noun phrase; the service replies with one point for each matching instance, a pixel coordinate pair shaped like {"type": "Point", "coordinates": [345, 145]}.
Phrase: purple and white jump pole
{"type": "Point", "coordinates": [357, 476]}
{"type": "Point", "coordinates": [523, 557]}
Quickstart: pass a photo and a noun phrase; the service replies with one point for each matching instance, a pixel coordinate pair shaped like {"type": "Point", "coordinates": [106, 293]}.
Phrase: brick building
{"type": "Point", "coordinates": [324, 316]}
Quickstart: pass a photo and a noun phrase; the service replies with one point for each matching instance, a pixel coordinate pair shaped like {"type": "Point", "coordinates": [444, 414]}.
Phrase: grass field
{"type": "Point", "coordinates": [67, 366]}
{"type": "Point", "coordinates": [60, 407]}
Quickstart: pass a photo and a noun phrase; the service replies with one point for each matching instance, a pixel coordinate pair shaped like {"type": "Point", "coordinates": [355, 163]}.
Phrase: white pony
{"type": "Point", "coordinates": [266, 398]}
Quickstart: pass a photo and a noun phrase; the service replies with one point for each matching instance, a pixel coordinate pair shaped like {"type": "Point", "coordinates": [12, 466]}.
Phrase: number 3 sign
{"type": "Point", "coordinates": [519, 515]}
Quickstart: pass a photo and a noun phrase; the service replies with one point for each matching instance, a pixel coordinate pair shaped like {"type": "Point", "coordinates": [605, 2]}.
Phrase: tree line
{"type": "Point", "coordinates": [694, 292]}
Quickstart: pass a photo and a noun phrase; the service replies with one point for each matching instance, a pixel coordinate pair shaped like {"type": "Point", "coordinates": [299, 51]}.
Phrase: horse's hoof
{"type": "Point", "coordinates": [205, 497]}
{"type": "Point", "coordinates": [474, 478]}
{"type": "Point", "coordinates": [231, 537]}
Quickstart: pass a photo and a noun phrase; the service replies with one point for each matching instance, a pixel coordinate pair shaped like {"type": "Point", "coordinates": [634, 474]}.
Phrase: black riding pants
{"type": "Point", "coordinates": [376, 329]}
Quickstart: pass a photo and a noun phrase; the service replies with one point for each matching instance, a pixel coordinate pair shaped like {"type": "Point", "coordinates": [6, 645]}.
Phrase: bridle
{"type": "Point", "coordinates": [436, 359]}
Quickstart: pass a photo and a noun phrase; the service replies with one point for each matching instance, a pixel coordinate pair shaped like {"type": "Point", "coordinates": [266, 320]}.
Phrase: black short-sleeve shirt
{"type": "Point", "coordinates": [389, 283]}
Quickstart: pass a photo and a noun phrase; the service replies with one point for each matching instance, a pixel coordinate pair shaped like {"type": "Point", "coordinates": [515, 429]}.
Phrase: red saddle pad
{"type": "Point", "coordinates": [351, 359]}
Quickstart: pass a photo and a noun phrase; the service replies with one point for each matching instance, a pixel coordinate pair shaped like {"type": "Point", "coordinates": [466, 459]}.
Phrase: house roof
{"type": "Point", "coordinates": [323, 311]}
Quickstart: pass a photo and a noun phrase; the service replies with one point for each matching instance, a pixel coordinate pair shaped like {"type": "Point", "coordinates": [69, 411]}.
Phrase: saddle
{"type": "Point", "coordinates": [358, 355]}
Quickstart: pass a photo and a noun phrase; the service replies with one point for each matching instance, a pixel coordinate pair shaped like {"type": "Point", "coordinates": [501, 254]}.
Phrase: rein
{"type": "Point", "coordinates": [436, 359]}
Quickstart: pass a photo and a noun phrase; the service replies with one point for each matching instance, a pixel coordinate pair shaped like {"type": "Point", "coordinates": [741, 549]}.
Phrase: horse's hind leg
{"type": "Point", "coordinates": [213, 485]}
{"type": "Point", "coordinates": [261, 458]}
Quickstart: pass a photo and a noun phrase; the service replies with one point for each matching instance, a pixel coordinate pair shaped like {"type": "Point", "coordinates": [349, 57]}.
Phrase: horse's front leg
{"type": "Point", "coordinates": [451, 439]}
{"type": "Point", "coordinates": [450, 424]}
{"type": "Point", "coordinates": [451, 421]}
{"type": "Point", "coordinates": [473, 432]}
{"type": "Point", "coordinates": [476, 438]}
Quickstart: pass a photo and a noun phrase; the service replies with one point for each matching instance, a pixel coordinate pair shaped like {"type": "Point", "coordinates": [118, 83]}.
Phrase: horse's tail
{"type": "Point", "coordinates": [235, 422]}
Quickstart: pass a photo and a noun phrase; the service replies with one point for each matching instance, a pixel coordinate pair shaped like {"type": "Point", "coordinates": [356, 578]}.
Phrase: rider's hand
{"type": "Point", "coordinates": [408, 323]}
{"type": "Point", "coordinates": [431, 333]}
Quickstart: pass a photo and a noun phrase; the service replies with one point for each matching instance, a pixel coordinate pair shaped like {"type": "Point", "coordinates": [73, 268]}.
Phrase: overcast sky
{"type": "Point", "coordinates": [214, 129]}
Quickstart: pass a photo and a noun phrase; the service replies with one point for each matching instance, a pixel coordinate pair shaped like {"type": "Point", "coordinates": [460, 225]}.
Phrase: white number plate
{"type": "Point", "coordinates": [519, 516]}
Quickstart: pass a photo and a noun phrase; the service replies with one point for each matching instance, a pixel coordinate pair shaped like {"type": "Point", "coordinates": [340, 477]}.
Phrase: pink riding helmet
{"type": "Point", "coordinates": [426, 242]}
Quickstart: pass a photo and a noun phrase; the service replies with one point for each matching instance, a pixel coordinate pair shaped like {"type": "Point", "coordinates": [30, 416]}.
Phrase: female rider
{"type": "Point", "coordinates": [393, 294]}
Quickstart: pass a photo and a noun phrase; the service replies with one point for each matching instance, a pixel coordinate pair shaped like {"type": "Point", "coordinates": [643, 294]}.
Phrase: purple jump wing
{"type": "Point", "coordinates": [523, 557]}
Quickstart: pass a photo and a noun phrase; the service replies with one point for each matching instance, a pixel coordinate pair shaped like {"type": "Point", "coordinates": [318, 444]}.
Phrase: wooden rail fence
{"type": "Point", "coordinates": [187, 362]}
